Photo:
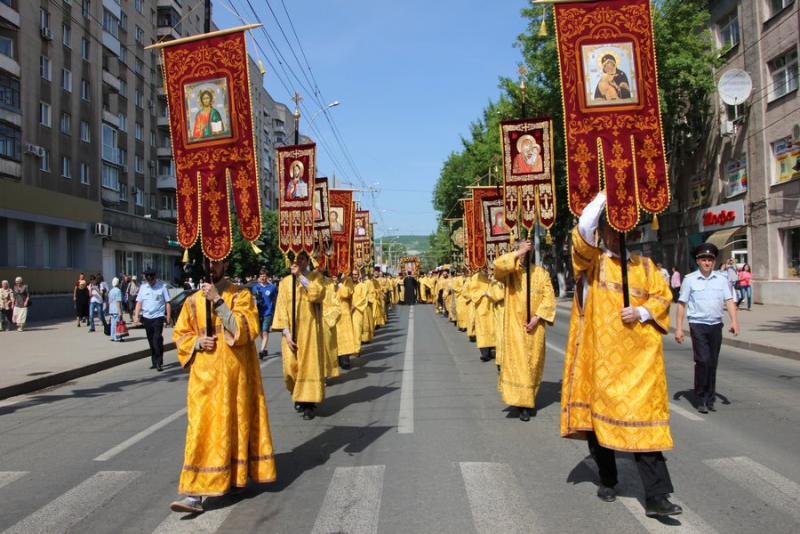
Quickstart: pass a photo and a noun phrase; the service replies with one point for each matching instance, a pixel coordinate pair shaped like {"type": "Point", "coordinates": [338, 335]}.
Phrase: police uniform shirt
{"type": "Point", "coordinates": [705, 297]}
{"type": "Point", "coordinates": [154, 300]}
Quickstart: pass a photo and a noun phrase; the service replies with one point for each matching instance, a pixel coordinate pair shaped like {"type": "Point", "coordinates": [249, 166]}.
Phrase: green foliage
{"type": "Point", "coordinates": [244, 261]}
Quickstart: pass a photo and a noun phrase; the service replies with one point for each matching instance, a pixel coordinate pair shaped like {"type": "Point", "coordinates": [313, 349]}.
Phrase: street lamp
{"type": "Point", "coordinates": [320, 110]}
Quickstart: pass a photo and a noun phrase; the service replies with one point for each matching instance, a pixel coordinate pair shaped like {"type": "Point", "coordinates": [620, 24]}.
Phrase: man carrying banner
{"type": "Point", "coordinates": [614, 391]}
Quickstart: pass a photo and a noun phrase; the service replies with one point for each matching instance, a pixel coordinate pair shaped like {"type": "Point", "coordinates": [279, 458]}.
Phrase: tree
{"type": "Point", "coordinates": [244, 261]}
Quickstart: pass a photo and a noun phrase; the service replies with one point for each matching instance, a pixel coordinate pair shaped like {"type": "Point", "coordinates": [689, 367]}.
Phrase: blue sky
{"type": "Point", "coordinates": [410, 78]}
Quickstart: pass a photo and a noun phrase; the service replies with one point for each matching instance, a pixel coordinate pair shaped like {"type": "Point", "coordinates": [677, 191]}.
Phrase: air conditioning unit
{"type": "Point", "coordinates": [34, 150]}
{"type": "Point", "coordinates": [102, 230]}
{"type": "Point", "coordinates": [796, 133]}
{"type": "Point", "coordinates": [726, 128]}
{"type": "Point", "coordinates": [152, 164]}
{"type": "Point", "coordinates": [125, 169]}
{"type": "Point", "coordinates": [47, 34]}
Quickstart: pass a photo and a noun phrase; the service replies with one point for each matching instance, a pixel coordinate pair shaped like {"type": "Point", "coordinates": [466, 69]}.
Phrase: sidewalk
{"type": "Point", "coordinates": [52, 352]}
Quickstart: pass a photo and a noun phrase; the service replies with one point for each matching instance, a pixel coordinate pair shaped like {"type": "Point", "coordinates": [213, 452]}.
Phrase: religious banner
{"type": "Point", "coordinates": [528, 176]}
{"type": "Point", "coordinates": [611, 112]}
{"type": "Point", "coordinates": [490, 231]}
{"type": "Point", "coordinates": [341, 217]}
{"type": "Point", "coordinates": [296, 172]}
{"type": "Point", "coordinates": [361, 239]}
{"type": "Point", "coordinates": [322, 225]}
{"type": "Point", "coordinates": [468, 219]}
{"type": "Point", "coordinates": [457, 233]}
{"type": "Point", "coordinates": [207, 84]}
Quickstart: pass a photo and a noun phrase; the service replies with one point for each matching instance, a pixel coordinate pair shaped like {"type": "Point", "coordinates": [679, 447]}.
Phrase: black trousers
{"type": "Point", "coordinates": [652, 467]}
{"type": "Point", "coordinates": [154, 328]}
{"type": "Point", "coordinates": [706, 342]}
{"type": "Point", "coordinates": [487, 353]}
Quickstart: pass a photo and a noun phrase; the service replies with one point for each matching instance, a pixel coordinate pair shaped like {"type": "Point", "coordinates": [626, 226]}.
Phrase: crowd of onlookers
{"type": "Point", "coordinates": [14, 303]}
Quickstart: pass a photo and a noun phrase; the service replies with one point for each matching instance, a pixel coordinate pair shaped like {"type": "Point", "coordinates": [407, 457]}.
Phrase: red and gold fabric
{"type": "Point", "coordinates": [340, 201]}
{"type": "Point", "coordinates": [491, 235]}
{"type": "Point", "coordinates": [323, 249]}
{"type": "Point", "coordinates": [468, 232]}
{"type": "Point", "coordinates": [612, 119]}
{"type": "Point", "coordinates": [528, 176]}
{"type": "Point", "coordinates": [207, 85]}
{"type": "Point", "coordinates": [361, 239]}
{"type": "Point", "coordinates": [296, 179]}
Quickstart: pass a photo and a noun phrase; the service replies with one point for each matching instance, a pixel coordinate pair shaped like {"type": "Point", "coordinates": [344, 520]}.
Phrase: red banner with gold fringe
{"type": "Point", "coordinates": [492, 235]}
{"type": "Point", "coordinates": [468, 232]}
{"type": "Point", "coordinates": [361, 239]}
{"type": "Point", "coordinates": [341, 217]}
{"type": "Point", "coordinates": [611, 111]}
{"type": "Point", "coordinates": [296, 179]}
{"type": "Point", "coordinates": [208, 95]}
{"type": "Point", "coordinates": [322, 226]}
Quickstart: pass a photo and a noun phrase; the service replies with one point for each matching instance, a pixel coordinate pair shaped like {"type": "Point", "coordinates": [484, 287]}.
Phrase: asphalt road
{"type": "Point", "coordinates": [413, 439]}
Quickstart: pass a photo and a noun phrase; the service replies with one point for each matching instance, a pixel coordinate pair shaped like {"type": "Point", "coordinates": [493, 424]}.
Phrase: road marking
{"type": "Point", "coordinates": [139, 437]}
{"type": "Point", "coordinates": [353, 501]}
{"type": "Point", "coordinates": [497, 502]}
{"type": "Point", "coordinates": [405, 422]}
{"type": "Point", "coordinates": [206, 523]}
{"type": "Point", "coordinates": [684, 412]}
{"type": "Point", "coordinates": [76, 504]}
{"type": "Point", "coordinates": [7, 477]}
{"type": "Point", "coordinates": [557, 349]}
{"type": "Point", "coordinates": [765, 483]}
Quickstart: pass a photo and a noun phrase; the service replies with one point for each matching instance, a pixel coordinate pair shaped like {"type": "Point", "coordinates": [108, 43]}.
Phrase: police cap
{"type": "Point", "coordinates": [706, 249]}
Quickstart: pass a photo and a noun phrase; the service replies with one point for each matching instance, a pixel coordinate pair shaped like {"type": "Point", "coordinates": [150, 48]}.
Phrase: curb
{"type": "Point", "coordinates": [64, 376]}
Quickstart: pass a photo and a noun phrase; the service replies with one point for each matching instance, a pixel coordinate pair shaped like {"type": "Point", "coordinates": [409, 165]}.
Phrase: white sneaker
{"type": "Point", "coordinates": [190, 505]}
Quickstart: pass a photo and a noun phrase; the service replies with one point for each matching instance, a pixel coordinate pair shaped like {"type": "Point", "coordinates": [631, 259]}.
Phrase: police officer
{"type": "Point", "coordinates": [705, 294]}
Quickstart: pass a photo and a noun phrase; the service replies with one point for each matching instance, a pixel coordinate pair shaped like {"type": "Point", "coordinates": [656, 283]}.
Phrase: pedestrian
{"type": "Point", "coordinates": [115, 308]}
{"type": "Point", "coordinates": [704, 297]}
{"type": "Point", "coordinates": [663, 271]}
{"type": "Point", "coordinates": [301, 346]}
{"type": "Point", "coordinates": [265, 293]}
{"type": "Point", "coordinates": [21, 302]}
{"type": "Point", "coordinates": [733, 279]}
{"type": "Point", "coordinates": [523, 336]}
{"type": "Point", "coordinates": [82, 303]}
{"type": "Point", "coordinates": [746, 289]}
{"type": "Point", "coordinates": [132, 291]}
{"type": "Point", "coordinates": [675, 283]}
{"type": "Point", "coordinates": [228, 439]}
{"type": "Point", "coordinates": [104, 289]}
{"type": "Point", "coordinates": [614, 386]}
{"type": "Point", "coordinates": [95, 303]}
{"type": "Point", "coordinates": [6, 305]}
{"type": "Point", "coordinates": [153, 303]}
{"type": "Point", "coordinates": [81, 278]}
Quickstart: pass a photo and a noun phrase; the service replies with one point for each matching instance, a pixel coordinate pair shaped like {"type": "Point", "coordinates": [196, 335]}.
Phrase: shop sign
{"type": "Point", "coordinates": [787, 160]}
{"type": "Point", "coordinates": [737, 176]}
{"type": "Point", "coordinates": [729, 215]}
{"type": "Point", "coordinates": [699, 191]}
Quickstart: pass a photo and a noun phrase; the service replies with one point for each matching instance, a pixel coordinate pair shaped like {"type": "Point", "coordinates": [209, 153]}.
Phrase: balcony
{"type": "Point", "coordinates": [168, 214]}
{"type": "Point", "coordinates": [163, 121]}
{"type": "Point", "coordinates": [8, 64]}
{"type": "Point", "coordinates": [164, 152]}
{"type": "Point", "coordinates": [9, 15]}
{"type": "Point", "coordinates": [174, 4]}
{"type": "Point", "coordinates": [165, 32]}
{"type": "Point", "coordinates": [111, 118]}
{"type": "Point", "coordinates": [111, 42]}
{"type": "Point", "coordinates": [112, 81]}
{"type": "Point", "coordinates": [166, 181]}
{"type": "Point", "coordinates": [109, 196]}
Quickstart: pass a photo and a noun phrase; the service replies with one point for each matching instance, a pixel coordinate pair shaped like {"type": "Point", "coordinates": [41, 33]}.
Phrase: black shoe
{"type": "Point", "coordinates": [308, 414]}
{"type": "Point", "coordinates": [711, 408]}
{"type": "Point", "coordinates": [524, 414]}
{"type": "Point", "coordinates": [702, 408]}
{"type": "Point", "coordinates": [606, 493]}
{"type": "Point", "coordinates": [485, 358]}
{"type": "Point", "coordinates": [660, 506]}
{"type": "Point", "coordinates": [472, 339]}
{"type": "Point", "coordinates": [498, 369]}
{"type": "Point", "coordinates": [344, 362]}
{"type": "Point", "coordinates": [159, 368]}
{"type": "Point", "coordinates": [298, 407]}
{"type": "Point", "coordinates": [152, 367]}
{"type": "Point", "coordinates": [262, 354]}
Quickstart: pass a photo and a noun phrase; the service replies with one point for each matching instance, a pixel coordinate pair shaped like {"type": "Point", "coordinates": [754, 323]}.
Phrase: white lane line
{"type": "Point", "coordinates": [763, 482]}
{"type": "Point", "coordinates": [497, 502]}
{"type": "Point", "coordinates": [139, 437]}
{"type": "Point", "coordinates": [557, 349]}
{"type": "Point", "coordinates": [674, 408]}
{"type": "Point", "coordinates": [405, 422]}
{"type": "Point", "coordinates": [205, 523]}
{"type": "Point", "coordinates": [353, 501]}
{"type": "Point", "coordinates": [76, 504]}
{"type": "Point", "coordinates": [7, 477]}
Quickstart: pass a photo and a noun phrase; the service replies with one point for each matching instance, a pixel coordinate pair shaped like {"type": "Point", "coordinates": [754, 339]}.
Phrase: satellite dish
{"type": "Point", "coordinates": [734, 86]}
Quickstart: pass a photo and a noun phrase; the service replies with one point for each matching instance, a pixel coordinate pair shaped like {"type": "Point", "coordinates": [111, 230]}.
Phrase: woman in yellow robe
{"type": "Point", "coordinates": [484, 315]}
{"type": "Point", "coordinates": [345, 334]}
{"type": "Point", "coordinates": [523, 341]}
{"type": "Point", "coordinates": [228, 438]}
{"type": "Point", "coordinates": [331, 313]}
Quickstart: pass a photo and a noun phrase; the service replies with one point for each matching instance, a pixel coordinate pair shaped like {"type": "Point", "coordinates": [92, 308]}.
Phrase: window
{"type": "Point", "coordinates": [110, 152]}
{"type": "Point", "coordinates": [9, 92]}
{"type": "Point", "coordinates": [10, 138]}
{"type": "Point", "coordinates": [123, 192]}
{"type": "Point", "coordinates": [729, 29]}
{"type": "Point", "coordinates": [123, 88]}
{"type": "Point", "coordinates": [44, 161]}
{"type": "Point", "coordinates": [776, 6]}
{"type": "Point", "coordinates": [783, 72]}
{"type": "Point", "coordinates": [123, 123]}
{"type": "Point", "coordinates": [123, 157]}
{"type": "Point", "coordinates": [66, 163]}
{"type": "Point", "coordinates": [110, 23]}
{"type": "Point", "coordinates": [85, 133]}
{"type": "Point", "coordinates": [791, 246]}
{"type": "Point", "coordinates": [123, 21]}
{"type": "Point", "coordinates": [45, 68]}
{"type": "Point", "coordinates": [123, 57]}
{"type": "Point", "coordinates": [139, 36]}
{"type": "Point", "coordinates": [139, 131]}
{"type": "Point", "coordinates": [110, 177]}
{"type": "Point", "coordinates": [85, 90]}
{"type": "Point", "coordinates": [152, 202]}
{"type": "Point", "coordinates": [6, 47]}
{"type": "Point", "coordinates": [138, 164]}
{"type": "Point", "coordinates": [152, 139]}
{"type": "Point", "coordinates": [139, 197]}
{"type": "Point", "coordinates": [85, 49]}
{"type": "Point", "coordinates": [44, 114]}
{"type": "Point", "coordinates": [65, 122]}
{"type": "Point", "coordinates": [84, 170]}
{"type": "Point", "coordinates": [66, 36]}
{"type": "Point", "coordinates": [44, 19]}
{"type": "Point", "coordinates": [139, 99]}
{"type": "Point", "coordinates": [85, 8]}
{"type": "Point", "coordinates": [138, 67]}
{"type": "Point", "coordinates": [138, 5]}
{"type": "Point", "coordinates": [66, 80]}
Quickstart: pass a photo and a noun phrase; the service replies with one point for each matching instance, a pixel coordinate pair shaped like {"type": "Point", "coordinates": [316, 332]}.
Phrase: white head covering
{"type": "Point", "coordinates": [18, 279]}
{"type": "Point", "coordinates": [115, 282]}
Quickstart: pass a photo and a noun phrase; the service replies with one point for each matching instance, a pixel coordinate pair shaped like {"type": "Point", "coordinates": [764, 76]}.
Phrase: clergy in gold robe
{"type": "Point", "coordinates": [377, 303]}
{"type": "Point", "coordinates": [367, 320]}
{"type": "Point", "coordinates": [614, 388]}
{"type": "Point", "coordinates": [440, 288]}
{"type": "Point", "coordinates": [228, 438]}
{"type": "Point", "coordinates": [484, 314]}
{"type": "Point", "coordinates": [460, 301]}
{"type": "Point", "coordinates": [523, 338]}
{"type": "Point", "coordinates": [451, 301]}
{"type": "Point", "coordinates": [301, 345]}
{"type": "Point", "coordinates": [345, 332]}
{"type": "Point", "coordinates": [496, 293]}
{"type": "Point", "coordinates": [470, 306]}
{"type": "Point", "coordinates": [331, 313]}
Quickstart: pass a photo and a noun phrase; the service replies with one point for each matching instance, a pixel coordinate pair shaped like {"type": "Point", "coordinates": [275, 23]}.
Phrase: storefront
{"type": "Point", "coordinates": [723, 225]}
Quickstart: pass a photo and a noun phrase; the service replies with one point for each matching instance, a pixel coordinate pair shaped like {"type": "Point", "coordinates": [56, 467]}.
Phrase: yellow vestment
{"type": "Point", "coordinates": [363, 320]}
{"type": "Point", "coordinates": [496, 293]}
{"type": "Point", "coordinates": [345, 334]}
{"type": "Point", "coordinates": [460, 301]}
{"type": "Point", "coordinates": [379, 303]}
{"type": "Point", "coordinates": [331, 312]}
{"type": "Point", "coordinates": [228, 438]}
{"type": "Point", "coordinates": [470, 306]}
{"type": "Point", "coordinates": [523, 352]}
{"type": "Point", "coordinates": [614, 380]}
{"type": "Point", "coordinates": [484, 311]}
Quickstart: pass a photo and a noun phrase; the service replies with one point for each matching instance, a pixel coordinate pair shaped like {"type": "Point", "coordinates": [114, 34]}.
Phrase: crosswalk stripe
{"type": "Point", "coordinates": [76, 504]}
{"type": "Point", "coordinates": [557, 349]}
{"type": "Point", "coordinates": [674, 408]}
{"type": "Point", "coordinates": [497, 501]}
{"type": "Point", "coordinates": [405, 422]}
{"type": "Point", "coordinates": [205, 523]}
{"type": "Point", "coordinates": [7, 477]}
{"type": "Point", "coordinates": [765, 483]}
{"type": "Point", "coordinates": [353, 501]}
{"type": "Point", "coordinates": [139, 437]}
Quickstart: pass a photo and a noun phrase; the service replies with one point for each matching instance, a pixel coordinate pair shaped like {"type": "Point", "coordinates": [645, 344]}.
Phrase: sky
{"type": "Point", "coordinates": [410, 77]}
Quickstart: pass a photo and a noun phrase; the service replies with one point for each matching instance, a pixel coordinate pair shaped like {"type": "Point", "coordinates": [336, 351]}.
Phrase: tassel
{"type": "Point", "coordinates": [286, 261]}
{"type": "Point", "coordinates": [261, 68]}
{"type": "Point", "coordinates": [543, 27]}
{"type": "Point", "coordinates": [185, 255]}
{"type": "Point", "coordinates": [255, 248]}
{"type": "Point", "coordinates": [655, 222]}
{"type": "Point", "coordinates": [548, 238]}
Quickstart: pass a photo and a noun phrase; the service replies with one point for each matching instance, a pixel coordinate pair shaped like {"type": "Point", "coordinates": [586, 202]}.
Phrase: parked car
{"type": "Point", "coordinates": [177, 302]}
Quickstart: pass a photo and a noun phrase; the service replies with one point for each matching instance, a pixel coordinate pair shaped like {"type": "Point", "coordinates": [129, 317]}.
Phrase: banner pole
{"type": "Point", "coordinates": [623, 257]}
{"type": "Point", "coordinates": [209, 322]}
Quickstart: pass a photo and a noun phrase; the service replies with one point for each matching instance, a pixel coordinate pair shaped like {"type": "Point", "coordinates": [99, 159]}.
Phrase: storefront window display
{"type": "Point", "coordinates": [791, 243]}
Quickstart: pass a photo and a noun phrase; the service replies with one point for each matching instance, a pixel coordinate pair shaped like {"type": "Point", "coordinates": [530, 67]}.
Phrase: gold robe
{"type": "Point", "coordinates": [331, 312]}
{"type": "Point", "coordinates": [451, 300]}
{"type": "Point", "coordinates": [303, 370]}
{"type": "Point", "coordinates": [345, 333]}
{"type": "Point", "coordinates": [614, 380]}
{"type": "Point", "coordinates": [460, 300]}
{"type": "Point", "coordinates": [470, 306]}
{"type": "Point", "coordinates": [228, 438]}
{"type": "Point", "coordinates": [497, 295]}
{"type": "Point", "coordinates": [363, 320]}
{"type": "Point", "coordinates": [440, 288]}
{"type": "Point", "coordinates": [484, 311]}
{"type": "Point", "coordinates": [378, 304]}
{"type": "Point", "coordinates": [523, 352]}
